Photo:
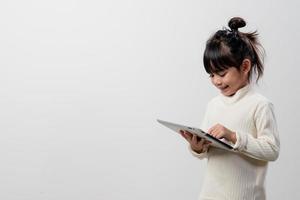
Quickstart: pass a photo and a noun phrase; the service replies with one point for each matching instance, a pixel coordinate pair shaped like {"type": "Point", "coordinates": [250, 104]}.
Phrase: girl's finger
{"type": "Point", "coordinates": [182, 134]}
{"type": "Point", "coordinates": [194, 139]}
{"type": "Point", "coordinates": [207, 142]}
{"type": "Point", "coordinates": [188, 136]}
{"type": "Point", "coordinates": [211, 129]}
{"type": "Point", "coordinates": [201, 142]}
{"type": "Point", "coordinates": [185, 136]}
{"type": "Point", "coordinates": [214, 132]}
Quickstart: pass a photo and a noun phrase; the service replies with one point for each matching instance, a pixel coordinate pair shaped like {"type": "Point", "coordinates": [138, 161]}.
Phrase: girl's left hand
{"type": "Point", "coordinates": [219, 131]}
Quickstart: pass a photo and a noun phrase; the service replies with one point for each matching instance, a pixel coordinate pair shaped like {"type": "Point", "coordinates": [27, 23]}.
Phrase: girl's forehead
{"type": "Point", "coordinates": [216, 68]}
{"type": "Point", "coordinates": [228, 69]}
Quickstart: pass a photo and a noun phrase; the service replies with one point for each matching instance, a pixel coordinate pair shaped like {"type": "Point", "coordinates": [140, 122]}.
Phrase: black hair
{"type": "Point", "coordinates": [229, 47]}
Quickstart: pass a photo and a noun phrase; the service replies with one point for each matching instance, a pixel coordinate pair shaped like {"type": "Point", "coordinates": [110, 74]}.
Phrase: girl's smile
{"type": "Point", "coordinates": [230, 80]}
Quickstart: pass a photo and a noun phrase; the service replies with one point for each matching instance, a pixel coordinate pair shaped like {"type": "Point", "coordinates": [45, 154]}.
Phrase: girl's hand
{"type": "Point", "coordinates": [198, 144]}
{"type": "Point", "coordinates": [219, 131]}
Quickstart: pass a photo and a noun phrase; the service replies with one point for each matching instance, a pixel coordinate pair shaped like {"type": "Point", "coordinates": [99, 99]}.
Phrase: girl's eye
{"type": "Point", "coordinates": [222, 74]}
{"type": "Point", "coordinates": [218, 74]}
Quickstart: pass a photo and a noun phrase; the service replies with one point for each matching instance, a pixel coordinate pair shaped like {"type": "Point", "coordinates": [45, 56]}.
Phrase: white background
{"type": "Point", "coordinates": [83, 82]}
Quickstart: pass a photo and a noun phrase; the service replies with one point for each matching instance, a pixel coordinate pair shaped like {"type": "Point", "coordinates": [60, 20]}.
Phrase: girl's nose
{"type": "Point", "coordinates": [217, 81]}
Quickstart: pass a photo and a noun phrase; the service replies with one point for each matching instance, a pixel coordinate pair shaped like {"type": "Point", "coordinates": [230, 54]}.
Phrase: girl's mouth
{"type": "Point", "coordinates": [224, 88]}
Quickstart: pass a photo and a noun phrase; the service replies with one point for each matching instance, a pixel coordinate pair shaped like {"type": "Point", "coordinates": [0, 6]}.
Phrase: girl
{"type": "Point", "coordinates": [239, 115]}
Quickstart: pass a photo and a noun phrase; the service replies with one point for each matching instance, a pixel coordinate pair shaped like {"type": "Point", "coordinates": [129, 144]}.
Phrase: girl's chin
{"type": "Point", "coordinates": [227, 92]}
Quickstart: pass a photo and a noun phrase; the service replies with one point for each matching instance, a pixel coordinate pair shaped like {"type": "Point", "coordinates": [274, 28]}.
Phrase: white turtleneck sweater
{"type": "Point", "coordinates": [240, 175]}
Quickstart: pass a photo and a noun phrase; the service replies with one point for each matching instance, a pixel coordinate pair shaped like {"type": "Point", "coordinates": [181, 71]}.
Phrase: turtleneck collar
{"type": "Point", "coordinates": [237, 96]}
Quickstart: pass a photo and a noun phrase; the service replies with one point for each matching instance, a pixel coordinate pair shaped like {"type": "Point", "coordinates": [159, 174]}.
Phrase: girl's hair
{"type": "Point", "coordinates": [229, 47]}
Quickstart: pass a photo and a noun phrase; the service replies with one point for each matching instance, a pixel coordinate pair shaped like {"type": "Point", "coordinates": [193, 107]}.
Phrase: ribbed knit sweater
{"type": "Point", "coordinates": [240, 175]}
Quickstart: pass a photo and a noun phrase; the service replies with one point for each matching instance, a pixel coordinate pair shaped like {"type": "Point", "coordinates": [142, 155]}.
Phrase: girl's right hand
{"type": "Point", "coordinates": [199, 145]}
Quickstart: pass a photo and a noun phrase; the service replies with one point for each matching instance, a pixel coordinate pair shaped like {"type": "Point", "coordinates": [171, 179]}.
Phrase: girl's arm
{"type": "Point", "coordinates": [266, 145]}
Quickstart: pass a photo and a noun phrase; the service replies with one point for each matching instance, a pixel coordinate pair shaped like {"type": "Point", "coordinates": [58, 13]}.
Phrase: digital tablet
{"type": "Point", "coordinates": [200, 133]}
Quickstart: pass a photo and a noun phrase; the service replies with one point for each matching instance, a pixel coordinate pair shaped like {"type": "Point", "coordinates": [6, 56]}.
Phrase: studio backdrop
{"type": "Point", "coordinates": [83, 82]}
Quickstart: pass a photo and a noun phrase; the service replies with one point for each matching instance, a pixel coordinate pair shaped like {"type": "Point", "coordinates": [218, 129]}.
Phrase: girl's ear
{"type": "Point", "coordinates": [246, 66]}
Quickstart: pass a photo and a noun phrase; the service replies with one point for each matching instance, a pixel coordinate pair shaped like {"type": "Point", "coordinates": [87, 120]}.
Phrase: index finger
{"type": "Point", "coordinates": [211, 129]}
{"type": "Point", "coordinates": [186, 135]}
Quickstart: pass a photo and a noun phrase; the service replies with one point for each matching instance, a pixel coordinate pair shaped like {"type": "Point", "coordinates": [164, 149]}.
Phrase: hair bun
{"type": "Point", "coordinates": [235, 23]}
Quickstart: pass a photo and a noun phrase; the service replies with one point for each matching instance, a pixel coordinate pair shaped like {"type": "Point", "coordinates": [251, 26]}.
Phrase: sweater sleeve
{"type": "Point", "coordinates": [265, 145]}
{"type": "Point", "coordinates": [204, 126]}
{"type": "Point", "coordinates": [198, 155]}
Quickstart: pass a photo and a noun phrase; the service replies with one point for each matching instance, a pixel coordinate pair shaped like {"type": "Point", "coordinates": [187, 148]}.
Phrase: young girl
{"type": "Point", "coordinates": [239, 115]}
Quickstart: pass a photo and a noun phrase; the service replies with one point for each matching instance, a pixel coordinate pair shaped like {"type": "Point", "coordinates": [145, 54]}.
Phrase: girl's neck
{"type": "Point", "coordinates": [239, 88]}
{"type": "Point", "coordinates": [239, 94]}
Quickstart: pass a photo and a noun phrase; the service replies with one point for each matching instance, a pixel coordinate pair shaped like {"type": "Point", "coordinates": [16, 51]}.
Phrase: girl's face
{"type": "Point", "coordinates": [231, 80]}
